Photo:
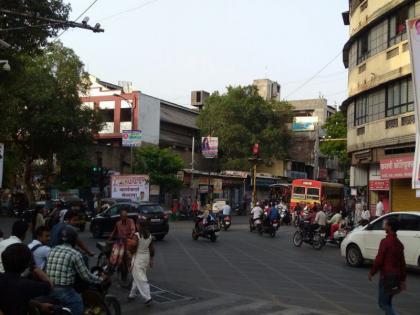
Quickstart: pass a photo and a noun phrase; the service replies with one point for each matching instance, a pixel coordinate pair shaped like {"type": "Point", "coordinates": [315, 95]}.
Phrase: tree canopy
{"type": "Point", "coordinates": [161, 165]}
{"type": "Point", "coordinates": [42, 114]}
{"type": "Point", "coordinates": [336, 128]}
{"type": "Point", "coordinates": [240, 118]}
{"type": "Point", "coordinates": [29, 34]}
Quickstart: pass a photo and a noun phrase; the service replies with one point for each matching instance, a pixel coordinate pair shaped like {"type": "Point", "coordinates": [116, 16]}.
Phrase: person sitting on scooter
{"type": "Point", "coordinates": [274, 213]}
{"type": "Point", "coordinates": [320, 220]}
{"type": "Point", "coordinates": [63, 265]}
{"type": "Point", "coordinates": [256, 212]}
{"type": "Point", "coordinates": [334, 222]}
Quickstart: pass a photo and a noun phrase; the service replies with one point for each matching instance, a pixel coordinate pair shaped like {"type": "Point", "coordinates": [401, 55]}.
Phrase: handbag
{"type": "Point", "coordinates": [132, 244]}
{"type": "Point", "coordinates": [392, 284]}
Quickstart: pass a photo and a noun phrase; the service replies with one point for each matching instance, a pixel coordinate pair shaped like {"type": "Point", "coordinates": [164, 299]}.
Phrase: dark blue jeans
{"type": "Point", "coordinates": [385, 301]}
{"type": "Point", "coordinates": [68, 297]}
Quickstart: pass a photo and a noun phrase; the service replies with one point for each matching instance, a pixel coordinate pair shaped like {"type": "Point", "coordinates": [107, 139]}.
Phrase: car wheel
{"type": "Point", "coordinates": [96, 231]}
{"type": "Point", "coordinates": [160, 237]}
{"type": "Point", "coordinates": [297, 239]}
{"type": "Point", "coordinates": [354, 257]}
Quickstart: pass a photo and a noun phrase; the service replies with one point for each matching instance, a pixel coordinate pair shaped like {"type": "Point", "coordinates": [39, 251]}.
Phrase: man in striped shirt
{"type": "Point", "coordinates": [63, 265]}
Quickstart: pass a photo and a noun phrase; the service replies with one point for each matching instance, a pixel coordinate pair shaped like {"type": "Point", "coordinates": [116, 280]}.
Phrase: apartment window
{"type": "Point", "coordinates": [400, 150]}
{"type": "Point", "coordinates": [353, 55]}
{"type": "Point", "coordinates": [399, 98]}
{"type": "Point", "coordinates": [397, 28]}
{"type": "Point", "coordinates": [363, 48]}
{"type": "Point", "coordinates": [350, 115]}
{"type": "Point", "coordinates": [370, 107]}
{"type": "Point", "coordinates": [198, 97]}
{"type": "Point", "coordinates": [107, 115]}
{"type": "Point", "coordinates": [125, 114]}
{"type": "Point", "coordinates": [378, 38]}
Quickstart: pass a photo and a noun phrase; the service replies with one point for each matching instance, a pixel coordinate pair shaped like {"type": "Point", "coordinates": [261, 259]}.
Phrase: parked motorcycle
{"type": "Point", "coordinates": [304, 234]}
{"type": "Point", "coordinates": [225, 223]}
{"type": "Point", "coordinates": [209, 231]}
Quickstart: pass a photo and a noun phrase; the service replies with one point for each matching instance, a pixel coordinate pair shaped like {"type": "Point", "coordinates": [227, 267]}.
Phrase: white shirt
{"type": "Point", "coordinates": [365, 215]}
{"type": "Point", "coordinates": [226, 209]}
{"type": "Point", "coordinates": [40, 254]}
{"type": "Point", "coordinates": [256, 212]}
{"type": "Point", "coordinates": [6, 243]}
{"type": "Point", "coordinates": [62, 214]}
{"type": "Point", "coordinates": [379, 209]}
{"type": "Point", "coordinates": [321, 218]}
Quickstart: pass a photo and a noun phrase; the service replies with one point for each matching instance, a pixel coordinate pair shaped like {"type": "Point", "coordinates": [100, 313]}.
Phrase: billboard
{"type": "Point", "coordinates": [413, 27]}
{"type": "Point", "coordinates": [305, 123]}
{"type": "Point", "coordinates": [396, 168]}
{"type": "Point", "coordinates": [131, 138]}
{"type": "Point", "coordinates": [134, 187]}
{"type": "Point", "coordinates": [209, 147]}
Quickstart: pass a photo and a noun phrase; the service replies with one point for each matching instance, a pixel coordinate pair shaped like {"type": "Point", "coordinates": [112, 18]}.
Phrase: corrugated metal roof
{"type": "Point", "coordinates": [178, 116]}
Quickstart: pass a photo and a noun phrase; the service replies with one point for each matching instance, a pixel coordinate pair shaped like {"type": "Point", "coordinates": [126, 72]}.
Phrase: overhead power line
{"type": "Point", "coordinates": [314, 76]}
{"type": "Point", "coordinates": [128, 11]}
{"type": "Point", "coordinates": [80, 15]}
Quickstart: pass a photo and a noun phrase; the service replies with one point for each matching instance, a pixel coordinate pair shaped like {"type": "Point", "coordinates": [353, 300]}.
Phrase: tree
{"type": "Point", "coordinates": [42, 115]}
{"type": "Point", "coordinates": [29, 34]}
{"type": "Point", "coordinates": [240, 118]}
{"type": "Point", "coordinates": [161, 165]}
{"type": "Point", "coordinates": [336, 131]}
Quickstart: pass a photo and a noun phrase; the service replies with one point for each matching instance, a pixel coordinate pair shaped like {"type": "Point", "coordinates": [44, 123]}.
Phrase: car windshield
{"type": "Point", "coordinates": [150, 209]}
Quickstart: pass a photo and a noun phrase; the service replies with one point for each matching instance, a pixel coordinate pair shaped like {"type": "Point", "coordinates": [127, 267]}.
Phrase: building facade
{"type": "Point", "coordinates": [268, 90]}
{"type": "Point", "coordinates": [380, 103]}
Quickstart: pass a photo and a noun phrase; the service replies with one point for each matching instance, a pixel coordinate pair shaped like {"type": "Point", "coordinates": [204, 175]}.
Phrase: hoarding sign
{"type": "Point", "coordinates": [379, 184]}
{"type": "Point", "coordinates": [217, 185]}
{"type": "Point", "coordinates": [134, 187]}
{"type": "Point", "coordinates": [304, 123]}
{"type": "Point", "coordinates": [131, 138]}
{"type": "Point", "coordinates": [413, 27]}
{"type": "Point", "coordinates": [209, 147]}
{"type": "Point", "coordinates": [397, 168]}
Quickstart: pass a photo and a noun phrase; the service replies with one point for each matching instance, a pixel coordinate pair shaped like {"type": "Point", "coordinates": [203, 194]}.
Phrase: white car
{"type": "Point", "coordinates": [363, 243]}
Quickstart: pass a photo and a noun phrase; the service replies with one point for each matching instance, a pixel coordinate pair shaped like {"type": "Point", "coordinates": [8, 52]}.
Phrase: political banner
{"type": "Point", "coordinates": [413, 27]}
{"type": "Point", "coordinates": [209, 147]}
{"type": "Point", "coordinates": [131, 138]}
{"type": "Point", "coordinates": [134, 187]}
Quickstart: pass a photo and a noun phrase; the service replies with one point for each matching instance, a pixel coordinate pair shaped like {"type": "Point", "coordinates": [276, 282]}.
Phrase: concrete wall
{"type": "Point", "coordinates": [149, 118]}
{"type": "Point", "coordinates": [318, 105]}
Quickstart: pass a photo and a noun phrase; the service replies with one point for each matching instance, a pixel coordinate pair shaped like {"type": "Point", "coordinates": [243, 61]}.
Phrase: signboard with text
{"type": "Point", "coordinates": [134, 187]}
{"type": "Point", "coordinates": [396, 168]}
{"type": "Point", "coordinates": [209, 147]}
{"type": "Point", "coordinates": [131, 138]}
{"type": "Point", "coordinates": [376, 185]}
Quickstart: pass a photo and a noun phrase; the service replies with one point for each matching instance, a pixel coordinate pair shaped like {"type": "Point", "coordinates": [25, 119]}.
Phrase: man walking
{"type": "Point", "coordinates": [390, 261]}
{"type": "Point", "coordinates": [379, 208]}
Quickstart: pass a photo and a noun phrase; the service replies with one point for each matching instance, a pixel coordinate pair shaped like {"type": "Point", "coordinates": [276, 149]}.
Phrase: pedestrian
{"type": "Point", "coordinates": [391, 262]}
{"type": "Point", "coordinates": [19, 230]}
{"type": "Point", "coordinates": [144, 251]}
{"type": "Point", "coordinates": [379, 208]}
{"type": "Point", "coordinates": [38, 219]}
{"type": "Point", "coordinates": [358, 212]}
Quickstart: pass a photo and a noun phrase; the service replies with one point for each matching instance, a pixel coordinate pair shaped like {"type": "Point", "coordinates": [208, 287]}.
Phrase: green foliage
{"type": "Point", "coordinates": [160, 164]}
{"type": "Point", "coordinates": [336, 128]}
{"type": "Point", "coordinates": [240, 118]}
{"type": "Point", "coordinates": [41, 111]}
{"type": "Point", "coordinates": [32, 38]}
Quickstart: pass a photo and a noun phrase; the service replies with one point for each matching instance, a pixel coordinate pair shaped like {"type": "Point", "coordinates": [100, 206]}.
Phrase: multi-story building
{"type": "Point", "coordinates": [380, 103]}
{"type": "Point", "coordinates": [268, 90]}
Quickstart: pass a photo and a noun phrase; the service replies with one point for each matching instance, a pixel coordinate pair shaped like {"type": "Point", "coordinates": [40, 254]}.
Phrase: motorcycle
{"type": "Point", "coordinates": [285, 217]}
{"type": "Point", "coordinates": [269, 227]}
{"type": "Point", "coordinates": [209, 231]}
{"type": "Point", "coordinates": [225, 223]}
{"type": "Point", "coordinates": [255, 224]}
{"type": "Point", "coordinates": [304, 234]}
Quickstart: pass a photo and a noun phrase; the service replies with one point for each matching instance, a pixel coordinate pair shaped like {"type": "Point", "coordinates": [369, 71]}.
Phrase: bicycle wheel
{"type": "Point", "coordinates": [113, 305]}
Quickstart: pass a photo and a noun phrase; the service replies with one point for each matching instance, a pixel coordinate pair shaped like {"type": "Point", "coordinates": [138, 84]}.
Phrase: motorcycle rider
{"type": "Point", "coordinates": [274, 213]}
{"type": "Point", "coordinates": [63, 264]}
{"type": "Point", "coordinates": [256, 212]}
{"type": "Point", "coordinates": [320, 220]}
{"type": "Point", "coordinates": [225, 211]}
{"type": "Point", "coordinates": [334, 222]}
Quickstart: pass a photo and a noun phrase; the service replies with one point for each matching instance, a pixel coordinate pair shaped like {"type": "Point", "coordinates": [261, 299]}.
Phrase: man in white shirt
{"type": "Point", "coordinates": [39, 247]}
{"type": "Point", "coordinates": [19, 230]}
{"type": "Point", "coordinates": [379, 208]}
{"type": "Point", "coordinates": [257, 211]}
{"type": "Point", "coordinates": [321, 218]}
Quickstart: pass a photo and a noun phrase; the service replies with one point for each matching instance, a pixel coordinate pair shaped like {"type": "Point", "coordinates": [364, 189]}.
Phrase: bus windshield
{"type": "Point", "coordinates": [312, 193]}
{"type": "Point", "coordinates": [299, 192]}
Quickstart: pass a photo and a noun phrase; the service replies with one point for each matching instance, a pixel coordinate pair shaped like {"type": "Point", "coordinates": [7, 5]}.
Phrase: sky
{"type": "Point", "coordinates": [169, 48]}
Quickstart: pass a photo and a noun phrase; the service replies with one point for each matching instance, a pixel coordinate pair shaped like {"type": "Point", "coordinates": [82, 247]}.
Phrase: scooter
{"type": "Point", "coordinates": [255, 224]}
{"type": "Point", "coordinates": [209, 231]}
{"type": "Point", "coordinates": [285, 217]}
{"type": "Point", "coordinates": [269, 227]}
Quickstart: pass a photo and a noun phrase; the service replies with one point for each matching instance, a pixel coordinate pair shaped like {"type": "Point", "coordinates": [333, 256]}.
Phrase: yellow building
{"type": "Point", "coordinates": [380, 103]}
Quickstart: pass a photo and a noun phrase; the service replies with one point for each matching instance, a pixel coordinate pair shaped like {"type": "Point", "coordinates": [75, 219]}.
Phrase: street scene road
{"type": "Point", "coordinates": [245, 273]}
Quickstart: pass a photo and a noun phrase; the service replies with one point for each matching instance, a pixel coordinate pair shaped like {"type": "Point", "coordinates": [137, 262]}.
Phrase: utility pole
{"type": "Point", "coordinates": [316, 152]}
{"type": "Point", "coordinates": [34, 16]}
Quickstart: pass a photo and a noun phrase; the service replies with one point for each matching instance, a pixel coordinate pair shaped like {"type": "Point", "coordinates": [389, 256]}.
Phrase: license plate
{"type": "Point", "coordinates": [227, 223]}
{"type": "Point", "coordinates": [258, 222]}
{"type": "Point", "coordinates": [275, 225]}
{"type": "Point", "coordinates": [155, 220]}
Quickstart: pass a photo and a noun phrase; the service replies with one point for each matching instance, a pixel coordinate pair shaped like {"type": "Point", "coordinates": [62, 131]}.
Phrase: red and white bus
{"type": "Point", "coordinates": [308, 191]}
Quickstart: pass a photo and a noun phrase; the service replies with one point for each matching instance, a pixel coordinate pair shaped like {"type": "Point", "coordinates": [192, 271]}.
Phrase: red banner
{"type": "Point", "coordinates": [382, 184]}
{"type": "Point", "coordinates": [395, 168]}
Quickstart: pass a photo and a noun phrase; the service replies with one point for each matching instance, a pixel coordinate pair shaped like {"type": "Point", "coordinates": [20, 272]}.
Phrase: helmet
{"type": "Point", "coordinates": [258, 203]}
{"type": "Point", "coordinates": [68, 236]}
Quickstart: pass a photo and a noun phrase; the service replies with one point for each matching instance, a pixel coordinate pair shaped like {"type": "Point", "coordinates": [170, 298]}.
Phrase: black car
{"type": "Point", "coordinates": [104, 222]}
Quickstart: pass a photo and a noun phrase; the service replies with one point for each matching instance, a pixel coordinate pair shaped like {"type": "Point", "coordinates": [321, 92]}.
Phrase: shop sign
{"type": "Point", "coordinates": [396, 168]}
{"type": "Point", "coordinates": [154, 190]}
{"type": "Point", "coordinates": [217, 186]}
{"type": "Point", "coordinates": [235, 174]}
{"type": "Point", "coordinates": [134, 187]}
{"type": "Point", "coordinates": [379, 184]}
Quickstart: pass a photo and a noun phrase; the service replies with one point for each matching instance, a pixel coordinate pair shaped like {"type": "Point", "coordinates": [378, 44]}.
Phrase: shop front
{"type": "Point", "coordinates": [399, 173]}
{"type": "Point", "coordinates": [379, 190]}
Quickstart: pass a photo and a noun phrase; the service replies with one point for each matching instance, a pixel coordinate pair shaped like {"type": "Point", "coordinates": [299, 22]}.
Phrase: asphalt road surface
{"type": "Point", "coordinates": [244, 273]}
